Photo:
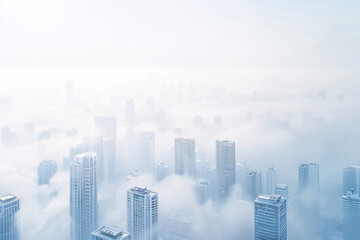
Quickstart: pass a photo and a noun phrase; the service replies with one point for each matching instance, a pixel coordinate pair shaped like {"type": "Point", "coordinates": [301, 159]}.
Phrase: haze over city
{"type": "Point", "coordinates": [211, 112]}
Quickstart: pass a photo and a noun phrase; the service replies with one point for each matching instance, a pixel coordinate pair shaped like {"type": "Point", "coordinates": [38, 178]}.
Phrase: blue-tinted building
{"type": "Point", "coordinates": [225, 168]}
{"type": "Point", "coordinates": [351, 216]}
{"type": "Point", "coordinates": [146, 161]}
{"type": "Point", "coordinates": [185, 156]}
{"type": "Point", "coordinates": [253, 185]}
{"type": "Point", "coordinates": [270, 217]}
{"type": "Point", "coordinates": [83, 196]}
{"type": "Point", "coordinates": [9, 208]}
{"type": "Point", "coordinates": [142, 214]}
{"type": "Point", "coordinates": [46, 169]}
{"type": "Point", "coordinates": [351, 179]}
{"type": "Point", "coordinates": [110, 233]}
{"type": "Point", "coordinates": [282, 190]}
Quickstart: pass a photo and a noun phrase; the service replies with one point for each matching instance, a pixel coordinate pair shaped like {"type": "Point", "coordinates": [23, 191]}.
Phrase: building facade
{"type": "Point", "coordinates": [46, 169]}
{"type": "Point", "coordinates": [270, 217]}
{"type": "Point", "coordinates": [83, 196]}
{"type": "Point", "coordinates": [225, 168]}
{"type": "Point", "coordinates": [351, 216]}
{"type": "Point", "coordinates": [185, 156]}
{"type": "Point", "coordinates": [142, 214]}
{"type": "Point", "coordinates": [9, 209]}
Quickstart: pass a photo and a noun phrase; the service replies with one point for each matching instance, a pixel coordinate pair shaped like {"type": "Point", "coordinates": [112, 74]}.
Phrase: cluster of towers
{"type": "Point", "coordinates": [94, 162]}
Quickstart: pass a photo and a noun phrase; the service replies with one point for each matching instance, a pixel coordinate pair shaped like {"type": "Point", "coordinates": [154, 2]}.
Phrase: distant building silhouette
{"type": "Point", "coordinates": [46, 169]}
{"type": "Point", "coordinates": [185, 156]}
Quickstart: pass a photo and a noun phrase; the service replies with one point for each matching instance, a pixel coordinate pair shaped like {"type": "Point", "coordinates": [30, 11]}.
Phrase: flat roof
{"type": "Point", "coordinates": [272, 199]}
{"type": "Point", "coordinates": [281, 186]}
{"type": "Point", "coordinates": [142, 190]}
{"type": "Point", "coordinates": [110, 233]}
{"type": "Point", "coordinates": [7, 198]}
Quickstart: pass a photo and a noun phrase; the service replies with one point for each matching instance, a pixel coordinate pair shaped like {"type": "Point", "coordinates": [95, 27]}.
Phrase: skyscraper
{"type": "Point", "coordinates": [282, 190]}
{"type": "Point", "coordinates": [83, 196]}
{"type": "Point", "coordinates": [201, 190]}
{"type": "Point", "coordinates": [309, 188]}
{"type": "Point", "coordinates": [162, 171]}
{"type": "Point", "coordinates": [270, 217]}
{"type": "Point", "coordinates": [242, 169]}
{"type": "Point", "coordinates": [110, 233]}
{"type": "Point", "coordinates": [46, 169]}
{"type": "Point", "coordinates": [9, 208]}
{"type": "Point", "coordinates": [147, 162]}
{"type": "Point", "coordinates": [142, 214]}
{"type": "Point", "coordinates": [351, 179]}
{"type": "Point", "coordinates": [270, 180]}
{"type": "Point", "coordinates": [185, 156]}
{"type": "Point", "coordinates": [253, 185]}
{"type": "Point", "coordinates": [351, 216]}
{"type": "Point", "coordinates": [225, 168]}
{"type": "Point", "coordinates": [109, 159]}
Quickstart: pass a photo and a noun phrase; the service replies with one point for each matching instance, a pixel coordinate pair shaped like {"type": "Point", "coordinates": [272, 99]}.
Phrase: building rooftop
{"type": "Point", "coordinates": [251, 173]}
{"type": "Point", "coordinates": [110, 233]}
{"type": "Point", "coordinates": [8, 198]}
{"type": "Point", "coordinates": [271, 199]}
{"type": "Point", "coordinates": [142, 190]}
{"type": "Point", "coordinates": [281, 186]}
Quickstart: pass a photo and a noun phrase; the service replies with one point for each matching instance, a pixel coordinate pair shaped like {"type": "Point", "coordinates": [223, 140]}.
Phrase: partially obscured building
{"type": "Point", "coordinates": [270, 217]}
{"type": "Point", "coordinates": [9, 209]}
{"type": "Point", "coordinates": [46, 169]}
{"type": "Point", "coordinates": [185, 156]}
{"type": "Point", "coordinates": [142, 214]}
{"type": "Point", "coordinates": [282, 190]}
{"type": "Point", "coordinates": [351, 216]}
{"type": "Point", "coordinates": [225, 168]}
{"type": "Point", "coordinates": [110, 233]}
{"type": "Point", "coordinates": [83, 196]}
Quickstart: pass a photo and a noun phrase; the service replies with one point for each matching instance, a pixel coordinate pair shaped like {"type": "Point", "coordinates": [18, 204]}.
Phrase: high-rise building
{"type": "Point", "coordinates": [282, 190]}
{"type": "Point", "coordinates": [142, 214]}
{"type": "Point", "coordinates": [179, 227]}
{"type": "Point", "coordinates": [162, 171]}
{"type": "Point", "coordinates": [109, 159]}
{"type": "Point", "coordinates": [110, 233]}
{"type": "Point", "coordinates": [351, 179]}
{"type": "Point", "coordinates": [73, 151]}
{"type": "Point", "coordinates": [106, 127]}
{"type": "Point", "coordinates": [211, 177]}
{"type": "Point", "coordinates": [146, 161]}
{"type": "Point", "coordinates": [46, 169]}
{"type": "Point", "coordinates": [253, 185]}
{"type": "Point", "coordinates": [242, 169]}
{"type": "Point", "coordinates": [225, 168]}
{"type": "Point", "coordinates": [309, 188]}
{"type": "Point", "coordinates": [185, 156]}
{"type": "Point", "coordinates": [9, 209]}
{"type": "Point", "coordinates": [130, 114]}
{"type": "Point", "coordinates": [83, 196]}
{"type": "Point", "coordinates": [351, 216]}
{"type": "Point", "coordinates": [270, 217]}
{"type": "Point", "coordinates": [201, 190]}
{"type": "Point", "coordinates": [269, 180]}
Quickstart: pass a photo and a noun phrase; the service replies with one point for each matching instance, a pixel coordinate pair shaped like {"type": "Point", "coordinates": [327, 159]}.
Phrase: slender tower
{"type": "Point", "coordinates": [142, 214]}
{"type": "Point", "coordinates": [83, 196]}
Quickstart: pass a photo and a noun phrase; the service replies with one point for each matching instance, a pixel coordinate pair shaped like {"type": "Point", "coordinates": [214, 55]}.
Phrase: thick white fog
{"type": "Point", "coordinates": [279, 78]}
